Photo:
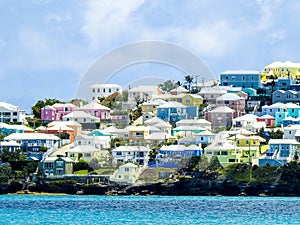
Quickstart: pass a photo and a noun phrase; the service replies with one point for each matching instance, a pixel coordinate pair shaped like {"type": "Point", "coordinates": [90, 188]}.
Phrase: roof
{"type": "Point", "coordinates": [131, 148]}
{"type": "Point", "coordinates": [105, 86]}
{"type": "Point", "coordinates": [79, 114]}
{"type": "Point", "coordinates": [188, 128]}
{"type": "Point", "coordinates": [144, 88]}
{"type": "Point", "coordinates": [8, 106]}
{"type": "Point", "coordinates": [58, 105]}
{"type": "Point", "coordinates": [267, 116]}
{"type": "Point", "coordinates": [229, 97]}
{"type": "Point", "coordinates": [241, 72]}
{"type": "Point", "coordinates": [158, 136]}
{"type": "Point", "coordinates": [138, 128]}
{"type": "Point", "coordinates": [67, 123]}
{"type": "Point", "coordinates": [287, 64]}
{"type": "Point", "coordinates": [180, 89]}
{"type": "Point", "coordinates": [275, 105]}
{"type": "Point", "coordinates": [9, 143]}
{"type": "Point", "coordinates": [128, 165]}
{"type": "Point", "coordinates": [222, 109]}
{"type": "Point", "coordinates": [31, 136]}
{"type": "Point", "coordinates": [283, 141]}
{"type": "Point", "coordinates": [54, 158]}
{"type": "Point", "coordinates": [59, 127]}
{"type": "Point", "coordinates": [83, 149]}
{"type": "Point", "coordinates": [172, 105]}
{"type": "Point", "coordinates": [94, 105]}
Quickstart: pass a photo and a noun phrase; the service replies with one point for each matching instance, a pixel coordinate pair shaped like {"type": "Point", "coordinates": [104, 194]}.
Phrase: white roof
{"type": "Point", "coordinates": [94, 105]}
{"type": "Point", "coordinates": [59, 127]}
{"type": "Point", "coordinates": [267, 116]}
{"type": "Point", "coordinates": [247, 117]}
{"type": "Point", "coordinates": [153, 120]}
{"type": "Point", "coordinates": [79, 114]}
{"type": "Point", "coordinates": [131, 148]}
{"type": "Point", "coordinates": [53, 158]}
{"type": "Point", "coordinates": [275, 105]}
{"type": "Point", "coordinates": [105, 86]}
{"type": "Point", "coordinates": [242, 72]}
{"type": "Point", "coordinates": [172, 105]}
{"type": "Point", "coordinates": [9, 143]}
{"type": "Point", "coordinates": [67, 123]}
{"type": "Point", "coordinates": [128, 165]}
{"type": "Point", "coordinates": [287, 64]}
{"type": "Point", "coordinates": [222, 109]}
{"type": "Point", "coordinates": [8, 106]}
{"type": "Point", "coordinates": [56, 105]}
{"type": "Point", "coordinates": [138, 128]}
{"type": "Point", "coordinates": [283, 141]}
{"type": "Point", "coordinates": [180, 89]}
{"type": "Point", "coordinates": [83, 149]}
{"type": "Point", "coordinates": [158, 136]}
{"type": "Point", "coordinates": [144, 88]}
{"type": "Point", "coordinates": [229, 97]}
{"type": "Point", "coordinates": [31, 136]}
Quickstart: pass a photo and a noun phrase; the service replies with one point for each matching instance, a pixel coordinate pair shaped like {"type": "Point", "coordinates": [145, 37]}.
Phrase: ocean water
{"type": "Point", "coordinates": [75, 209]}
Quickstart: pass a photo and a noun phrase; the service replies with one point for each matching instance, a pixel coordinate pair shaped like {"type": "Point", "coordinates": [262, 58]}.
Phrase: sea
{"type": "Point", "coordinates": [81, 209]}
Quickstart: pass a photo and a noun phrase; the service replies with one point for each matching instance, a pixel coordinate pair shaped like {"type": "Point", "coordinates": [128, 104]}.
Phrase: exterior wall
{"type": "Point", "coordinates": [103, 90]}
{"type": "Point", "coordinates": [243, 80]}
{"type": "Point", "coordinates": [238, 105]}
{"type": "Point", "coordinates": [56, 167]}
{"type": "Point", "coordinates": [12, 115]}
{"type": "Point", "coordinates": [172, 114]}
{"type": "Point", "coordinates": [220, 119]}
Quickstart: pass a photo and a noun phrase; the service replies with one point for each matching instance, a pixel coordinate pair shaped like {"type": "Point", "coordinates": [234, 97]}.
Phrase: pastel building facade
{"type": "Point", "coordinates": [11, 114]}
{"type": "Point", "coordinates": [241, 78]}
{"type": "Point", "coordinates": [103, 90]}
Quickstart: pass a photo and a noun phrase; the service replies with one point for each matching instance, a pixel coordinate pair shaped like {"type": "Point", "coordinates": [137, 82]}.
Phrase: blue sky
{"type": "Point", "coordinates": [46, 46]}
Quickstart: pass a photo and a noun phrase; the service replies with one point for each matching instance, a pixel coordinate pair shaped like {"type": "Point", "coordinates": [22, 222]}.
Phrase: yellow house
{"type": "Point", "coordinates": [192, 100]}
{"type": "Point", "coordinates": [137, 134]}
{"type": "Point", "coordinates": [281, 69]}
{"type": "Point", "coordinates": [149, 107]}
{"type": "Point", "coordinates": [249, 147]}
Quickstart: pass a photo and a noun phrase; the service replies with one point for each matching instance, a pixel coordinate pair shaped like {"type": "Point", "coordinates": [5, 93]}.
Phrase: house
{"type": "Point", "coordinates": [172, 112]}
{"type": "Point", "coordinates": [184, 131]}
{"type": "Point", "coordinates": [268, 119]}
{"type": "Point", "coordinates": [285, 111]}
{"type": "Point", "coordinates": [222, 116]}
{"type": "Point", "coordinates": [280, 151]}
{"type": "Point", "coordinates": [195, 122]}
{"type": "Point", "coordinates": [281, 69]}
{"type": "Point", "coordinates": [241, 78]}
{"type": "Point", "coordinates": [56, 166]}
{"type": "Point", "coordinates": [137, 134]}
{"type": "Point", "coordinates": [80, 117]}
{"type": "Point", "coordinates": [99, 142]}
{"type": "Point", "coordinates": [209, 94]}
{"type": "Point", "coordinates": [58, 127]}
{"type": "Point", "coordinates": [192, 100]}
{"type": "Point", "coordinates": [87, 153]}
{"type": "Point", "coordinates": [178, 152]}
{"type": "Point", "coordinates": [291, 132]}
{"type": "Point", "coordinates": [250, 91]}
{"type": "Point", "coordinates": [285, 96]}
{"type": "Point", "coordinates": [157, 138]}
{"type": "Point", "coordinates": [249, 147]}
{"type": "Point", "coordinates": [224, 149]}
{"type": "Point", "coordinates": [33, 142]}
{"type": "Point", "coordinates": [160, 124]}
{"type": "Point", "coordinates": [205, 137]}
{"type": "Point", "coordinates": [119, 133]}
{"type": "Point", "coordinates": [255, 127]}
{"type": "Point", "coordinates": [232, 101]}
{"type": "Point", "coordinates": [56, 111]}
{"type": "Point", "coordinates": [7, 129]}
{"type": "Point", "coordinates": [242, 121]}
{"type": "Point", "coordinates": [134, 154]}
{"type": "Point", "coordinates": [127, 173]}
{"type": "Point", "coordinates": [11, 114]}
{"type": "Point", "coordinates": [179, 90]}
{"type": "Point", "coordinates": [9, 145]}
{"type": "Point", "coordinates": [103, 90]}
{"type": "Point", "coordinates": [97, 110]}
{"type": "Point", "coordinates": [290, 121]}
{"type": "Point", "coordinates": [271, 109]}
{"type": "Point", "coordinates": [143, 92]}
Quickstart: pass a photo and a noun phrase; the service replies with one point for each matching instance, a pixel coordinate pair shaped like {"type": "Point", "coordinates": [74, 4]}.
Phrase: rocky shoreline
{"type": "Point", "coordinates": [184, 187]}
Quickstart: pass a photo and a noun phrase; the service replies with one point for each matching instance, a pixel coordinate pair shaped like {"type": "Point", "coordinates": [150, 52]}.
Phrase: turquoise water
{"type": "Point", "coordinates": [69, 209]}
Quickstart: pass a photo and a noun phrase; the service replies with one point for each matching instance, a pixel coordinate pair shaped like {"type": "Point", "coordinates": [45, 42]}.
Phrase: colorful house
{"type": "Point", "coordinates": [241, 78]}
{"type": "Point", "coordinates": [268, 119]}
{"type": "Point", "coordinates": [222, 116]}
{"type": "Point", "coordinates": [56, 166]}
{"type": "Point", "coordinates": [11, 114]}
{"type": "Point", "coordinates": [127, 173]}
{"type": "Point", "coordinates": [97, 110]}
{"type": "Point", "coordinates": [172, 112]}
{"type": "Point", "coordinates": [137, 134]}
{"type": "Point", "coordinates": [178, 152]}
{"type": "Point", "coordinates": [56, 111]}
{"type": "Point", "coordinates": [192, 100]}
{"type": "Point", "coordinates": [281, 69]}
{"type": "Point", "coordinates": [134, 154]}
{"type": "Point", "coordinates": [232, 101]}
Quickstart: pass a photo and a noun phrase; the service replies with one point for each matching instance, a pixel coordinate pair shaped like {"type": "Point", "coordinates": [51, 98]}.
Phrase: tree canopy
{"type": "Point", "coordinates": [36, 109]}
{"type": "Point", "coordinates": [168, 85]}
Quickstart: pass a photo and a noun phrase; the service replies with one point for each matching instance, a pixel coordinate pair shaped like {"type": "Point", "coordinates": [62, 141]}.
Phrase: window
{"type": "Point", "coordinates": [126, 169]}
{"type": "Point", "coordinates": [233, 78]}
{"type": "Point", "coordinates": [93, 90]}
{"type": "Point", "coordinates": [98, 90]}
{"type": "Point", "coordinates": [119, 153]}
{"type": "Point", "coordinates": [109, 90]}
{"type": "Point", "coordinates": [59, 163]}
{"type": "Point", "coordinates": [231, 160]}
{"type": "Point", "coordinates": [243, 78]}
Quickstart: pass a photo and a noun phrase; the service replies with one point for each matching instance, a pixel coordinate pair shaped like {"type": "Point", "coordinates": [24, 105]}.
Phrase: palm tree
{"type": "Point", "coordinates": [189, 80]}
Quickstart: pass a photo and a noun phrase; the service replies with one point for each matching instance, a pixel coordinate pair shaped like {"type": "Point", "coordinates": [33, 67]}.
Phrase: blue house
{"type": "Point", "coordinates": [172, 112]}
{"type": "Point", "coordinates": [178, 152]}
{"type": "Point", "coordinates": [241, 78]}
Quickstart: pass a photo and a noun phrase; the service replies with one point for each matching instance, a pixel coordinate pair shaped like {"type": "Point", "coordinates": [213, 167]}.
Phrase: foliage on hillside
{"type": "Point", "coordinates": [36, 109]}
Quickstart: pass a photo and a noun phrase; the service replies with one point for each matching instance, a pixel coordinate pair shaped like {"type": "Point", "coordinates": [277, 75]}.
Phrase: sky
{"type": "Point", "coordinates": [47, 46]}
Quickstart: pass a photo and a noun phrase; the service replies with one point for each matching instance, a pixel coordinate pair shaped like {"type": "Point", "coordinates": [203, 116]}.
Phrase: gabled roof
{"type": "Point", "coordinates": [54, 158]}
{"type": "Point", "coordinates": [172, 105]}
{"type": "Point", "coordinates": [61, 127]}
{"type": "Point", "coordinates": [59, 105]}
{"type": "Point", "coordinates": [267, 116]}
{"type": "Point", "coordinates": [84, 149]}
{"type": "Point", "coordinates": [241, 72]}
{"type": "Point", "coordinates": [158, 136]}
{"type": "Point", "coordinates": [180, 89]}
{"type": "Point", "coordinates": [31, 136]}
{"type": "Point", "coordinates": [79, 114]}
{"type": "Point", "coordinates": [131, 148]}
{"type": "Point", "coordinates": [229, 97]}
{"type": "Point", "coordinates": [94, 105]}
{"type": "Point", "coordinates": [8, 106]}
{"type": "Point", "coordinates": [9, 143]}
{"type": "Point", "coordinates": [128, 165]}
{"type": "Point", "coordinates": [283, 141]}
{"type": "Point", "coordinates": [222, 109]}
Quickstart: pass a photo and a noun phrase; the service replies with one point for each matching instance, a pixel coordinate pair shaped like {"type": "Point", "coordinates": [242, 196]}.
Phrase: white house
{"type": "Point", "coordinates": [80, 117]}
{"type": "Point", "coordinates": [127, 173]}
{"type": "Point", "coordinates": [11, 113]}
{"type": "Point", "coordinates": [144, 92]}
{"type": "Point", "coordinates": [135, 154]}
{"type": "Point", "coordinates": [103, 90]}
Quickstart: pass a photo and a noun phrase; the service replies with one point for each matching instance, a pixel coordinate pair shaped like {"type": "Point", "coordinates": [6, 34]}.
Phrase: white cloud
{"type": "Point", "coordinates": [268, 9]}
{"type": "Point", "coordinates": [104, 20]}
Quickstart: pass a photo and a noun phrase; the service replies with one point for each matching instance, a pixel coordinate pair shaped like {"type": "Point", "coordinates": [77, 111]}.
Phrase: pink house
{"type": "Point", "coordinates": [269, 120]}
{"type": "Point", "coordinates": [233, 101]}
{"type": "Point", "coordinates": [97, 110]}
{"type": "Point", "coordinates": [222, 116]}
{"type": "Point", "coordinates": [56, 111]}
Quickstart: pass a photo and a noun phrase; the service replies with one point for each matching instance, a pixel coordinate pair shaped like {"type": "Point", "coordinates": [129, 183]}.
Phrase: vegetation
{"type": "Point", "coordinates": [168, 85]}
{"type": "Point", "coordinates": [36, 109]}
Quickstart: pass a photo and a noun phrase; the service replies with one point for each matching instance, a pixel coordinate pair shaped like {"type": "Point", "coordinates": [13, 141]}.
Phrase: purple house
{"type": "Point", "coordinates": [56, 111]}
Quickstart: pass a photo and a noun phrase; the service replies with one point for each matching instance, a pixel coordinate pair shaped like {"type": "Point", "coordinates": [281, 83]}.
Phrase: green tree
{"type": "Point", "coordinates": [188, 81]}
{"type": "Point", "coordinates": [214, 164]}
{"type": "Point", "coordinates": [8, 156]}
{"type": "Point", "coordinates": [81, 165]}
{"type": "Point", "coordinates": [36, 109]}
{"type": "Point", "coordinates": [203, 163]}
{"type": "Point", "coordinates": [167, 86]}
